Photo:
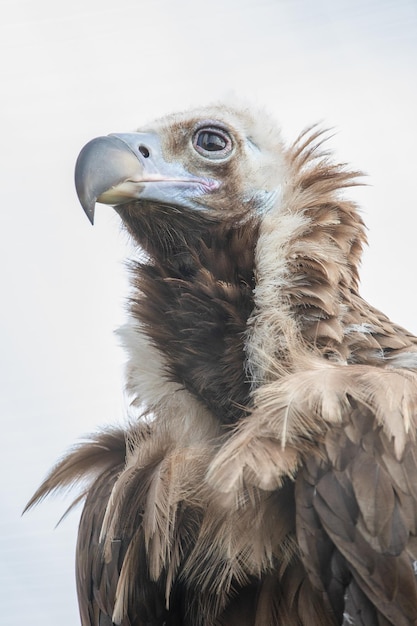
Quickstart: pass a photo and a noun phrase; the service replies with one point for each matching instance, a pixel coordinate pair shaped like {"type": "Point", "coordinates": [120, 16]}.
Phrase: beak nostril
{"type": "Point", "coordinates": [144, 151]}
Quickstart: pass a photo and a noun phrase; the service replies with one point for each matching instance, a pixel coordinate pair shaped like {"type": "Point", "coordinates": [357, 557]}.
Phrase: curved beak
{"type": "Point", "coordinates": [120, 167]}
{"type": "Point", "coordinates": [104, 167]}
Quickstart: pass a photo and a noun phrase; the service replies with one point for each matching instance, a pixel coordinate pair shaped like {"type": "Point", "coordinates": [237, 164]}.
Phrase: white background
{"type": "Point", "coordinates": [72, 70]}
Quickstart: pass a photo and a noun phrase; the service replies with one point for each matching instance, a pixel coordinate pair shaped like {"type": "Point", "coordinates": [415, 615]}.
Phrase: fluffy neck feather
{"type": "Point", "coordinates": [307, 259]}
{"type": "Point", "coordinates": [193, 306]}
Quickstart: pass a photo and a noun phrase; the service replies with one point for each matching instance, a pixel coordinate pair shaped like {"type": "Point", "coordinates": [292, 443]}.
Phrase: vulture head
{"type": "Point", "coordinates": [208, 165]}
{"type": "Point", "coordinates": [270, 477]}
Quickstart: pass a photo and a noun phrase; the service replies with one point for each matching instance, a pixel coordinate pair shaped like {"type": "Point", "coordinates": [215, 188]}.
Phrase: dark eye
{"type": "Point", "coordinates": [213, 143]}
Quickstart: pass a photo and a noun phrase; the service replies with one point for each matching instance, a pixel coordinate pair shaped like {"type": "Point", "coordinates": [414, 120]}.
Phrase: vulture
{"type": "Point", "coordinates": [269, 476]}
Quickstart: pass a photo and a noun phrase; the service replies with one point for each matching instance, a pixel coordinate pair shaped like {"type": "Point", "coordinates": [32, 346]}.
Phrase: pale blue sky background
{"type": "Point", "coordinates": [70, 71]}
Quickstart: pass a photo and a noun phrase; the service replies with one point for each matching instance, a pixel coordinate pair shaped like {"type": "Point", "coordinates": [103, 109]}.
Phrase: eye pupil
{"type": "Point", "coordinates": [212, 142]}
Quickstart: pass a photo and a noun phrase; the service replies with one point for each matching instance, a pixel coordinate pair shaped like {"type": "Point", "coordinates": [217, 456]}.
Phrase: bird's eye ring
{"type": "Point", "coordinates": [212, 142]}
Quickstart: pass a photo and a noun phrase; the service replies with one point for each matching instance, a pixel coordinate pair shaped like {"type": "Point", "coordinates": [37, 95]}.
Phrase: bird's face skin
{"type": "Point", "coordinates": [215, 163]}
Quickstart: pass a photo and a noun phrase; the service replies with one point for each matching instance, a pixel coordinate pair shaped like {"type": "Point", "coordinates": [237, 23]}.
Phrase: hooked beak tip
{"type": "Point", "coordinates": [89, 211]}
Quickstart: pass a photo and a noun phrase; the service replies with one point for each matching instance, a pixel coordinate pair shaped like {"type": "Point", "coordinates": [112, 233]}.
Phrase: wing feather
{"type": "Point", "coordinates": [360, 507]}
